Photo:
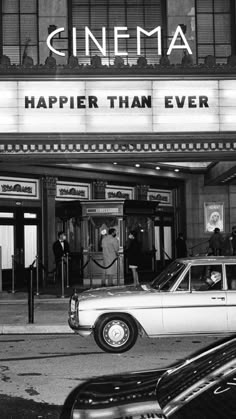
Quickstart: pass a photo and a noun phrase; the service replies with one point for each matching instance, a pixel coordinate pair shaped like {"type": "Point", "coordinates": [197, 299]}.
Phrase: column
{"type": "Point", "coordinates": [141, 192]}
{"type": "Point", "coordinates": [48, 221]}
{"type": "Point", "coordinates": [99, 188]}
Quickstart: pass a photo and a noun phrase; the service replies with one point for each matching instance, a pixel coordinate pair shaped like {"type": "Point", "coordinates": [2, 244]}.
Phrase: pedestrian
{"type": "Point", "coordinates": [60, 249]}
{"type": "Point", "coordinates": [133, 251]}
{"type": "Point", "coordinates": [181, 247]}
{"type": "Point", "coordinates": [110, 250]}
{"type": "Point", "coordinates": [229, 244]}
{"type": "Point", "coordinates": [216, 243]}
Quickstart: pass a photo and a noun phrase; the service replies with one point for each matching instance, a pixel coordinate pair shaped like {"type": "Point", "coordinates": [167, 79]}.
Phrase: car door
{"type": "Point", "coordinates": [187, 309]}
{"type": "Point", "coordinates": [230, 270]}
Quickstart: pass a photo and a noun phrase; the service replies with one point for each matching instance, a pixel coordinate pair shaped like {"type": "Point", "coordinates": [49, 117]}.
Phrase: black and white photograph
{"type": "Point", "coordinates": [118, 209]}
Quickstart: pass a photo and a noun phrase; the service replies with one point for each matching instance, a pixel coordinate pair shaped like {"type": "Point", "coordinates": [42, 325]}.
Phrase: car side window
{"type": "Point", "coordinates": [195, 276]}
{"type": "Point", "coordinates": [231, 276]}
{"type": "Point", "coordinates": [198, 273]}
{"type": "Point", "coordinates": [206, 277]}
{"type": "Point", "coordinates": [184, 284]}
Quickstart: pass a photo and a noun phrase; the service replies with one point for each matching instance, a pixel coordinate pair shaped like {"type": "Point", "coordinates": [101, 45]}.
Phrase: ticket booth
{"type": "Point", "coordinates": [124, 215]}
{"type": "Point", "coordinates": [86, 222]}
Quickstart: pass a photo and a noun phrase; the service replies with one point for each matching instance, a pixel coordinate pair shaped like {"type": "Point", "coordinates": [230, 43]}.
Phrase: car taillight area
{"type": "Point", "coordinates": [128, 396]}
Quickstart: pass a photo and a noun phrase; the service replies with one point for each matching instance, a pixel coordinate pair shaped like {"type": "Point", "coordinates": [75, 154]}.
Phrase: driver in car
{"type": "Point", "coordinates": [211, 281]}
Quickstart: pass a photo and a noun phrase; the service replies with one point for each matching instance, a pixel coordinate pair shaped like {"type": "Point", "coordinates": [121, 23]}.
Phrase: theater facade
{"type": "Point", "coordinates": [114, 114]}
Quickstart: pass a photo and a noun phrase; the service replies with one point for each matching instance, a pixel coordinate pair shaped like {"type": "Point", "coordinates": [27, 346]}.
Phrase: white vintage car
{"type": "Point", "coordinates": [191, 296]}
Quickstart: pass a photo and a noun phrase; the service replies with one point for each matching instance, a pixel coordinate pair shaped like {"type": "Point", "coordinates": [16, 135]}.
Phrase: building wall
{"type": "Point", "coordinates": [53, 12]}
{"type": "Point", "coordinates": [182, 12]}
{"type": "Point", "coordinates": [232, 205]}
{"type": "Point", "coordinates": [196, 195]}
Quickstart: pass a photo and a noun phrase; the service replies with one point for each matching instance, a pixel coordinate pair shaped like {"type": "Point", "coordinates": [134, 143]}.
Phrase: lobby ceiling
{"type": "Point", "coordinates": [214, 172]}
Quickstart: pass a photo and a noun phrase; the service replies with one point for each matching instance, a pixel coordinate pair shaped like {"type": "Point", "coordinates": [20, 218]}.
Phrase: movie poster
{"type": "Point", "coordinates": [213, 216]}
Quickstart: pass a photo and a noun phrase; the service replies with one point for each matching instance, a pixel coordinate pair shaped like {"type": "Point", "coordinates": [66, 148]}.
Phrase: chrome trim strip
{"type": "Point", "coordinates": [125, 308]}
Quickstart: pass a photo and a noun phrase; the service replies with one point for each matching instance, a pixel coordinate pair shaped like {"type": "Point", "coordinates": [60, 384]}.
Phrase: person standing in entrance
{"type": "Point", "coordinates": [133, 255]}
{"type": "Point", "coordinates": [60, 249]}
{"type": "Point", "coordinates": [110, 250]}
{"type": "Point", "coordinates": [181, 247]}
{"type": "Point", "coordinates": [229, 244]}
{"type": "Point", "coordinates": [216, 243]}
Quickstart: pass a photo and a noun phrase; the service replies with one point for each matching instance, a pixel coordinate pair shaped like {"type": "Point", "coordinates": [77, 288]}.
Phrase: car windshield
{"type": "Point", "coordinates": [167, 278]}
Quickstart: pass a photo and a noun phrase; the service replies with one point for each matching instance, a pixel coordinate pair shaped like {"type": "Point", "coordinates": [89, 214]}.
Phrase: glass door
{"type": "Point", "coordinates": [164, 240]}
{"type": "Point", "coordinates": [19, 240]}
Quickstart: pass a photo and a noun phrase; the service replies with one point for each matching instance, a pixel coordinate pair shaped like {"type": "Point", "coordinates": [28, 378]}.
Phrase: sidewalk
{"type": "Point", "coordinates": [50, 312]}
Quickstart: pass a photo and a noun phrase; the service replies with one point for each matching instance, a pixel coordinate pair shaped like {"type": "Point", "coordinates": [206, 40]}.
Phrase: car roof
{"type": "Point", "coordinates": [207, 259]}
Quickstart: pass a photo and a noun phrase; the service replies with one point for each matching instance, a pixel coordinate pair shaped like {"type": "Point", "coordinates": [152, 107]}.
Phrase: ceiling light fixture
{"type": "Point", "coordinates": [176, 170]}
{"type": "Point", "coordinates": [157, 168]}
{"type": "Point", "coordinates": [137, 165]}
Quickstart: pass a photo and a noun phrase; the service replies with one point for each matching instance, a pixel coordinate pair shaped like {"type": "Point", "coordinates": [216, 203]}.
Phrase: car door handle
{"type": "Point", "coordinates": [218, 298]}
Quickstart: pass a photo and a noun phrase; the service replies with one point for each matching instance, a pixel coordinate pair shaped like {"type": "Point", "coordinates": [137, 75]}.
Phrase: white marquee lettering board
{"type": "Point", "coordinates": [91, 106]}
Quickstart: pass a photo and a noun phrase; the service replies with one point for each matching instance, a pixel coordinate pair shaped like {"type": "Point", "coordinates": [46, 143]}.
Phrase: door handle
{"type": "Point", "coordinates": [218, 298]}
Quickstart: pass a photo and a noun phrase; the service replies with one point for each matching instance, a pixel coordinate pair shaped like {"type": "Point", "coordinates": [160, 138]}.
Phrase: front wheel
{"type": "Point", "coordinates": [116, 333]}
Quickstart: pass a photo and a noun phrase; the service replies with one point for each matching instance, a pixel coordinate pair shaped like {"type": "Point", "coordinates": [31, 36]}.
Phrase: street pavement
{"type": "Point", "coordinates": [49, 313]}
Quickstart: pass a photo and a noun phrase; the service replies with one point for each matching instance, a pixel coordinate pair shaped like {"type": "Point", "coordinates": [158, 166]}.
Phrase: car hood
{"type": "Point", "coordinates": [115, 291]}
{"type": "Point", "coordinates": [204, 384]}
{"type": "Point", "coordinates": [131, 395]}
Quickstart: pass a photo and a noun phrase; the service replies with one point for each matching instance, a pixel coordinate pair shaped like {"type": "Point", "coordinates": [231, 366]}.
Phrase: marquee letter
{"type": "Point", "coordinates": [29, 102]}
{"type": "Point", "coordinates": [88, 34]}
{"type": "Point", "coordinates": [158, 30]}
{"type": "Point", "coordinates": [184, 45]}
{"type": "Point", "coordinates": [74, 44]}
{"type": "Point", "coordinates": [49, 38]}
{"type": "Point", "coordinates": [116, 36]}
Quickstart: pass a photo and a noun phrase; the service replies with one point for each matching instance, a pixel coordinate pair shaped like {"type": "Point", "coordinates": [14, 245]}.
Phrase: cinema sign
{"type": "Point", "coordinates": [120, 32]}
{"type": "Point", "coordinates": [116, 106]}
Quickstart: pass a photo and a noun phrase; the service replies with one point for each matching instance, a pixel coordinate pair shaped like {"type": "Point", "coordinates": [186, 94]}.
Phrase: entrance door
{"type": "Point", "coordinates": [164, 239]}
{"type": "Point", "coordinates": [19, 243]}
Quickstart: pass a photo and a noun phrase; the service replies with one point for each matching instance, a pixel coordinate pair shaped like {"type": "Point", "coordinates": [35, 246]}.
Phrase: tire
{"type": "Point", "coordinates": [115, 333]}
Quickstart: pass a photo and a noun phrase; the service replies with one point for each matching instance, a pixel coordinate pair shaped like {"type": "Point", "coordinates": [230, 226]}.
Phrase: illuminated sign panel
{"type": "Point", "coordinates": [72, 191]}
{"type": "Point", "coordinates": [90, 106]}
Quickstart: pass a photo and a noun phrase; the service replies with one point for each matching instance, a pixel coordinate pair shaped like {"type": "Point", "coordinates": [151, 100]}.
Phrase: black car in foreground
{"type": "Point", "coordinates": [203, 386]}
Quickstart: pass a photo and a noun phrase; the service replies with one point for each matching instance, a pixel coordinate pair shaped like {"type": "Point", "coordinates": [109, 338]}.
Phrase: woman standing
{"type": "Point", "coordinates": [133, 254]}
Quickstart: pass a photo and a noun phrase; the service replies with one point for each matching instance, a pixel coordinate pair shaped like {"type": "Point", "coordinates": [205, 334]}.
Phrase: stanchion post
{"type": "Point", "coordinates": [118, 270]}
{"type": "Point", "coordinates": [13, 274]}
{"type": "Point", "coordinates": [31, 298]}
{"type": "Point", "coordinates": [0, 268]}
{"type": "Point", "coordinates": [37, 274]}
{"type": "Point", "coordinates": [62, 278]}
{"type": "Point", "coordinates": [67, 270]}
{"type": "Point", "coordinates": [90, 272]}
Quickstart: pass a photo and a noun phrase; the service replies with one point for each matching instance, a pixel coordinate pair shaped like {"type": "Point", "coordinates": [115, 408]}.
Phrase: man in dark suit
{"type": "Point", "coordinates": [60, 249]}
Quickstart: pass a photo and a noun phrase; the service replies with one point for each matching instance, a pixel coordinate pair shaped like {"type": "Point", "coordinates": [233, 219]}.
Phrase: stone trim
{"type": "Point", "coordinates": [74, 68]}
{"type": "Point", "coordinates": [185, 146]}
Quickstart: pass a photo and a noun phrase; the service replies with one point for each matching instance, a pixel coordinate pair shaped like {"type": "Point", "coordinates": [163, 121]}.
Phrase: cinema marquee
{"type": "Point", "coordinates": [120, 32]}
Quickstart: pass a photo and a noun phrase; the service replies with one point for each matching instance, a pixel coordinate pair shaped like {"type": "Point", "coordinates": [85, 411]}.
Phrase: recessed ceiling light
{"type": "Point", "coordinates": [176, 170]}
{"type": "Point", "coordinates": [115, 162]}
{"type": "Point", "coordinates": [137, 165]}
{"type": "Point", "coordinates": [157, 168]}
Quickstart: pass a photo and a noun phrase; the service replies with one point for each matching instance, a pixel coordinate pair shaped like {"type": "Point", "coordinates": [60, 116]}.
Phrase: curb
{"type": "Point", "coordinates": [9, 329]}
{"type": "Point", "coordinates": [58, 300]}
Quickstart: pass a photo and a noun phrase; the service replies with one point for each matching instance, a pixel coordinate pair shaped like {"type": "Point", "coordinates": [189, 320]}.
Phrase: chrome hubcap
{"type": "Point", "coordinates": [116, 333]}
